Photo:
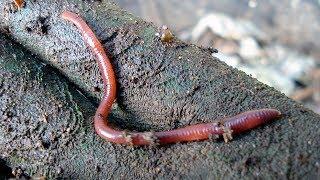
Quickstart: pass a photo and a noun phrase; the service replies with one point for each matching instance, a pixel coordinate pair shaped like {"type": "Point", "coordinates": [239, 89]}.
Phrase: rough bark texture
{"type": "Point", "coordinates": [161, 86]}
{"type": "Point", "coordinates": [40, 113]}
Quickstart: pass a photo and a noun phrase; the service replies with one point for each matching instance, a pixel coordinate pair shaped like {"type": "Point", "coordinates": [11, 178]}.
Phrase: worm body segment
{"type": "Point", "coordinates": [19, 3]}
{"type": "Point", "coordinates": [237, 124]}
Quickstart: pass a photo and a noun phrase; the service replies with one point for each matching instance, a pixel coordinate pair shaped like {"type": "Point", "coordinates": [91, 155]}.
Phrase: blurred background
{"type": "Point", "coordinates": [277, 42]}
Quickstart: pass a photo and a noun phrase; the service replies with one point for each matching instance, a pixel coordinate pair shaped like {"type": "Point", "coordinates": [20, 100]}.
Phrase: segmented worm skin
{"type": "Point", "coordinates": [18, 3]}
{"type": "Point", "coordinates": [236, 124]}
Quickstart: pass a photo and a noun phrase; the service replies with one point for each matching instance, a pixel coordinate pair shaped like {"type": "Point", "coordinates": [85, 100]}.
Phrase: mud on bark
{"type": "Point", "coordinates": [161, 86]}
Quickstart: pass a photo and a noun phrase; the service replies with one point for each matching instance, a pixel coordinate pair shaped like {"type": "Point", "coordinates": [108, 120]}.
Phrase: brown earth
{"type": "Point", "coordinates": [46, 127]}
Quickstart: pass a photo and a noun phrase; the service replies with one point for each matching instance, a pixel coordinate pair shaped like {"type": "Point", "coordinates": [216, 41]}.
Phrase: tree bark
{"type": "Point", "coordinates": [161, 86]}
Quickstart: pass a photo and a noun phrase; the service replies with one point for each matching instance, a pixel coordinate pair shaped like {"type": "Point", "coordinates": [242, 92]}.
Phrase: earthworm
{"type": "Point", "coordinates": [226, 127]}
{"type": "Point", "coordinates": [19, 3]}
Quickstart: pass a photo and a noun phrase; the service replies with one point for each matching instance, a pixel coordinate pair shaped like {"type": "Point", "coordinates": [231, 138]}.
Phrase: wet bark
{"type": "Point", "coordinates": [160, 86]}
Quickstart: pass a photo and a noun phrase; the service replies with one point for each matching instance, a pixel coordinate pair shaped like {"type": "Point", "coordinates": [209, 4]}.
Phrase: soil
{"type": "Point", "coordinates": [47, 102]}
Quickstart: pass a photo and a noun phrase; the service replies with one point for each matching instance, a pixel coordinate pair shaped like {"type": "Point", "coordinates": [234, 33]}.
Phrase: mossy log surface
{"type": "Point", "coordinates": [50, 87]}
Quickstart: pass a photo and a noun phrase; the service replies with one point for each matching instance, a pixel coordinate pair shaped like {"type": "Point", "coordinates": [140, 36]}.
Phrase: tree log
{"type": "Point", "coordinates": [161, 86]}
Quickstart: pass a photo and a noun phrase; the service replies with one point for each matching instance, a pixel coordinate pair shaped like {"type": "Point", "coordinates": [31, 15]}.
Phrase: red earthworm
{"type": "Point", "coordinates": [19, 3]}
{"type": "Point", "coordinates": [236, 124]}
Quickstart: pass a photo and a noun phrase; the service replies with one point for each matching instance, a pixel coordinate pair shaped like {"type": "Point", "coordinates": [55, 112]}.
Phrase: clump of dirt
{"type": "Point", "coordinates": [39, 26]}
